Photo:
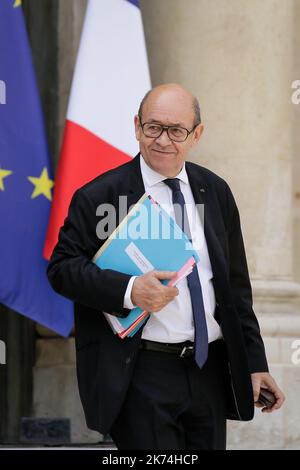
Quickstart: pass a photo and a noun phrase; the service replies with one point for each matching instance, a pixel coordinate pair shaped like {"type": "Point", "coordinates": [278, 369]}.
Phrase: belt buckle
{"type": "Point", "coordinates": [184, 349]}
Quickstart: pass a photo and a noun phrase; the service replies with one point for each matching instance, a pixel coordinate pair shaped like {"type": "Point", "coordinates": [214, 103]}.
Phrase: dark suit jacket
{"type": "Point", "coordinates": [105, 363]}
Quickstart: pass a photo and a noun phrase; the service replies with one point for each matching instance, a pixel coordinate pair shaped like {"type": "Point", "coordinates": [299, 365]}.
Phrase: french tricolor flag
{"type": "Point", "coordinates": [110, 79]}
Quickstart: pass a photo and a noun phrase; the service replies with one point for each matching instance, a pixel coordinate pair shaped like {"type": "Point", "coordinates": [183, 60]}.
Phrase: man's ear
{"type": "Point", "coordinates": [137, 127]}
{"type": "Point", "coordinates": [197, 134]}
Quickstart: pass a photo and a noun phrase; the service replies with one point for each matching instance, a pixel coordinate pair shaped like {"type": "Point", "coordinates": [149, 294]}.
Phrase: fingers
{"type": "Point", "coordinates": [258, 405]}
{"type": "Point", "coordinates": [149, 293]}
{"type": "Point", "coordinates": [256, 382]}
{"type": "Point", "coordinates": [280, 398]}
{"type": "Point", "coordinates": [170, 291]}
{"type": "Point", "coordinates": [165, 296]}
{"type": "Point", "coordinates": [164, 274]}
{"type": "Point", "coordinates": [255, 394]}
{"type": "Point", "coordinates": [263, 380]}
{"type": "Point", "coordinates": [164, 293]}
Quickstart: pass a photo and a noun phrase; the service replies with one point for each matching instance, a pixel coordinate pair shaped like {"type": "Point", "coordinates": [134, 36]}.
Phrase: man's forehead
{"type": "Point", "coordinates": [167, 120]}
{"type": "Point", "coordinates": [168, 109]}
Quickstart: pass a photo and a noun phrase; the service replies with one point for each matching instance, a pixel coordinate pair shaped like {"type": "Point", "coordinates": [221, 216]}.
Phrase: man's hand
{"type": "Point", "coordinates": [150, 294]}
{"type": "Point", "coordinates": [265, 380]}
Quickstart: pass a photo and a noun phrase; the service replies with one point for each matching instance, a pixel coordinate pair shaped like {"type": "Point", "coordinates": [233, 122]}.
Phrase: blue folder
{"type": "Point", "coordinates": [147, 238]}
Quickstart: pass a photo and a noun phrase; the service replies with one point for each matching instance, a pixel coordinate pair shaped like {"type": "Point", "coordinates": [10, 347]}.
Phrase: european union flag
{"type": "Point", "coordinates": [25, 182]}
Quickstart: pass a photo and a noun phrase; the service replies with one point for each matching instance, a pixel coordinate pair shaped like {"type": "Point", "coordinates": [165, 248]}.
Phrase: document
{"type": "Point", "coordinates": [147, 238]}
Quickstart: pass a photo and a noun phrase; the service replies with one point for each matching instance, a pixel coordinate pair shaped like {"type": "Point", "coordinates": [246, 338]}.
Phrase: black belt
{"type": "Point", "coordinates": [185, 349]}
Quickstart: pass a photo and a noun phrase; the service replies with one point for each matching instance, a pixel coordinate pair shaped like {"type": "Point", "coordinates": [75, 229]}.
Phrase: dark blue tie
{"type": "Point", "coordinates": [201, 338]}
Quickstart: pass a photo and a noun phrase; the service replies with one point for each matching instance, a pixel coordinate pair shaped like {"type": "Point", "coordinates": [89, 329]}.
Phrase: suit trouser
{"type": "Point", "coordinates": [172, 404]}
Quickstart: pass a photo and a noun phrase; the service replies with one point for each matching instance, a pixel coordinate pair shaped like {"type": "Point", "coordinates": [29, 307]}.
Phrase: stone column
{"type": "Point", "coordinates": [239, 57]}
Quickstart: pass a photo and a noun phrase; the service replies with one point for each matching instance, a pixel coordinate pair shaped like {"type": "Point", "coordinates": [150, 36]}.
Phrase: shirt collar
{"type": "Point", "coordinates": [152, 177]}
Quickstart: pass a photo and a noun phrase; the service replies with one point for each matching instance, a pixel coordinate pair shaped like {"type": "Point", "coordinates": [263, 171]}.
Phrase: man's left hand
{"type": "Point", "coordinates": [265, 380]}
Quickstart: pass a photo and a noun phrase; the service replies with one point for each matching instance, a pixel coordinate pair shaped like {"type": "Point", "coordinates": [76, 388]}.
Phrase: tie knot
{"type": "Point", "coordinates": [173, 184]}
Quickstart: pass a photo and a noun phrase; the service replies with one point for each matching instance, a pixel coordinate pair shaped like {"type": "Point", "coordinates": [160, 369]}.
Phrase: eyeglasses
{"type": "Point", "coordinates": [175, 133]}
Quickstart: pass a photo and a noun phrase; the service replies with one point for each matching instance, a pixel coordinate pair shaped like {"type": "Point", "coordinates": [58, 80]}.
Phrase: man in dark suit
{"type": "Point", "coordinates": [200, 358]}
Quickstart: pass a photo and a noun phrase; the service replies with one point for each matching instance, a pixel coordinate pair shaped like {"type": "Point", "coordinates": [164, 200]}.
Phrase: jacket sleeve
{"type": "Point", "coordinates": [241, 290]}
{"type": "Point", "coordinates": [71, 271]}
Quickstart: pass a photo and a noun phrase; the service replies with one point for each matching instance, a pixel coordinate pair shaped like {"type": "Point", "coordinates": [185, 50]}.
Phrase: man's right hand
{"type": "Point", "coordinates": [150, 294]}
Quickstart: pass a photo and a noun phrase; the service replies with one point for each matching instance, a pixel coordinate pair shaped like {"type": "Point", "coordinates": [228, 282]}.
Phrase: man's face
{"type": "Point", "coordinates": [169, 108]}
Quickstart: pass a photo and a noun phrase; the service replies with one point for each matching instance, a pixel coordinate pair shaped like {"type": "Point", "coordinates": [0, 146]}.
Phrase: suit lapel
{"type": "Point", "coordinates": [202, 193]}
{"type": "Point", "coordinates": [136, 187]}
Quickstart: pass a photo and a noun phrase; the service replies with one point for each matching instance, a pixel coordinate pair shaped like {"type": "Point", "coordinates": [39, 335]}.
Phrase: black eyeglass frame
{"type": "Point", "coordinates": [166, 128]}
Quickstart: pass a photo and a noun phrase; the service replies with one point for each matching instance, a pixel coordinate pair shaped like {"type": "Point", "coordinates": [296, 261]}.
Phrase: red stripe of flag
{"type": "Point", "coordinates": [83, 157]}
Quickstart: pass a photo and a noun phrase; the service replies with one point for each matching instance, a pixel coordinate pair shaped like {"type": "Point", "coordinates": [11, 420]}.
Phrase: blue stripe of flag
{"type": "Point", "coordinates": [24, 286]}
{"type": "Point", "coordinates": [134, 2]}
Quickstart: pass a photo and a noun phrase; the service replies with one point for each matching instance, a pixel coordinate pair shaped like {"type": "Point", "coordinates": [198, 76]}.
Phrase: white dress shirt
{"type": "Point", "coordinates": [174, 323]}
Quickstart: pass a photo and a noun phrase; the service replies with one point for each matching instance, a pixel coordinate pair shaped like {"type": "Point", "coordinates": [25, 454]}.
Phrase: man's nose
{"type": "Point", "coordinates": [164, 139]}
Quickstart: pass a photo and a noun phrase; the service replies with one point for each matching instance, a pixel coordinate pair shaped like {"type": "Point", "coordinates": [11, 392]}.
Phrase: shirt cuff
{"type": "Point", "coordinates": [127, 297]}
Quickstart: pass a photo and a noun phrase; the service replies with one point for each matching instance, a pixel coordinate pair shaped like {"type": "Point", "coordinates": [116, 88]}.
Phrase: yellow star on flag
{"type": "Point", "coordinates": [17, 3]}
{"type": "Point", "coordinates": [42, 185]}
{"type": "Point", "coordinates": [3, 174]}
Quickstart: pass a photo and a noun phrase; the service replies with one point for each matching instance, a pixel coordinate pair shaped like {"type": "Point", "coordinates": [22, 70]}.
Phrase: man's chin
{"type": "Point", "coordinates": [164, 168]}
